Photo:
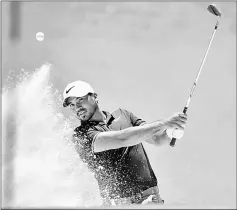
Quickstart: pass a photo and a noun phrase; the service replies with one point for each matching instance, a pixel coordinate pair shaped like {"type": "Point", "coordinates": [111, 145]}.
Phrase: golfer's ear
{"type": "Point", "coordinates": [95, 95]}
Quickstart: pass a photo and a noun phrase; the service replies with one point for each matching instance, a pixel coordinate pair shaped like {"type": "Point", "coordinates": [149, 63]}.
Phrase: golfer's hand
{"type": "Point", "coordinates": [176, 121]}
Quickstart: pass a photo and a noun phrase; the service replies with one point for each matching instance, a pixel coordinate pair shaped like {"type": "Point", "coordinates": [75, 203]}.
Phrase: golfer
{"type": "Point", "coordinates": [111, 146]}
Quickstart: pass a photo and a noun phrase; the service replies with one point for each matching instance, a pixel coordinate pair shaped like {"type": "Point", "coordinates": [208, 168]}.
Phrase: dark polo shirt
{"type": "Point", "coordinates": [120, 172]}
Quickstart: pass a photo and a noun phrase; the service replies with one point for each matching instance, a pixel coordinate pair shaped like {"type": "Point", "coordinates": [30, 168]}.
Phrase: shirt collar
{"type": "Point", "coordinates": [109, 117]}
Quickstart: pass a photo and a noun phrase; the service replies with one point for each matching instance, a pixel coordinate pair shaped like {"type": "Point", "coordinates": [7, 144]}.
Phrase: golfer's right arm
{"type": "Point", "coordinates": [134, 135]}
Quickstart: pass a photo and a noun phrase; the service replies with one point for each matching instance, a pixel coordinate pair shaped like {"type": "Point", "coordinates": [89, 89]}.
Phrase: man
{"type": "Point", "coordinates": [111, 146]}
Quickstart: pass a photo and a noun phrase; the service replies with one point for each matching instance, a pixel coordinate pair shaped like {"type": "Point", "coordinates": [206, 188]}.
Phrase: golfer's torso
{"type": "Point", "coordinates": [124, 171]}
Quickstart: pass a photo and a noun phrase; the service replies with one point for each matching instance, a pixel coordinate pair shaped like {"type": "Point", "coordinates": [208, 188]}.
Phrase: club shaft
{"type": "Point", "coordinates": [200, 69]}
{"type": "Point", "coordinates": [172, 143]}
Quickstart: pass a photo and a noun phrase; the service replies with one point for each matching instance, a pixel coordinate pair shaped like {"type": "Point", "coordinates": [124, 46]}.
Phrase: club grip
{"type": "Point", "coordinates": [172, 143]}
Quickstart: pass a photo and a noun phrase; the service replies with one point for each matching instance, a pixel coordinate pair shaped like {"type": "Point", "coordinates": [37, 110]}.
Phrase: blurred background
{"type": "Point", "coordinates": [141, 56]}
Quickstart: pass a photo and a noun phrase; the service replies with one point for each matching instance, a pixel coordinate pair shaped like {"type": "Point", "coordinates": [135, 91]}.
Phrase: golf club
{"type": "Point", "coordinates": [212, 9]}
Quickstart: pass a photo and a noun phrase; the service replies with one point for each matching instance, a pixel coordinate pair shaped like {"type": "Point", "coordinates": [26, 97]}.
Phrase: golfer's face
{"type": "Point", "coordinates": [82, 107]}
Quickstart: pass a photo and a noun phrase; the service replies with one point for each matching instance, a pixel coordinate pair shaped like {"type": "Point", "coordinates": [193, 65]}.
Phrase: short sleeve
{"type": "Point", "coordinates": [136, 121]}
{"type": "Point", "coordinates": [92, 135]}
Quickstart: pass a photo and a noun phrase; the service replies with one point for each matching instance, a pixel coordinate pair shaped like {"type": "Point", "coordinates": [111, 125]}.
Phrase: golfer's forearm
{"type": "Point", "coordinates": [127, 137]}
{"type": "Point", "coordinates": [159, 139]}
{"type": "Point", "coordinates": [136, 135]}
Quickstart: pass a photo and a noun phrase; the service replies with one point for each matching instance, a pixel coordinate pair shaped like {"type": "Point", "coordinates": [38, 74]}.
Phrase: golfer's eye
{"type": "Point", "coordinates": [71, 106]}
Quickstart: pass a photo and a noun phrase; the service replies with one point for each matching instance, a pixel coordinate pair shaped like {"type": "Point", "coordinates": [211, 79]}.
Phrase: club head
{"type": "Point", "coordinates": [212, 9]}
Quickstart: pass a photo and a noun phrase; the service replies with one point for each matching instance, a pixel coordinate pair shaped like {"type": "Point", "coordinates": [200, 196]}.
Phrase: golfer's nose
{"type": "Point", "coordinates": [77, 108]}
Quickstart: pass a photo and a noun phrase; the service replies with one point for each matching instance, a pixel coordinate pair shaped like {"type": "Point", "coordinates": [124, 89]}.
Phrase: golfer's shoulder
{"type": "Point", "coordinates": [79, 131]}
{"type": "Point", "coordinates": [84, 135]}
{"type": "Point", "coordinates": [80, 128]}
{"type": "Point", "coordinates": [120, 111]}
{"type": "Point", "coordinates": [83, 128]}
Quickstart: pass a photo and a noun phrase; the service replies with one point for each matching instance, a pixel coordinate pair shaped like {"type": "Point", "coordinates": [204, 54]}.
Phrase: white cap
{"type": "Point", "coordinates": [76, 89]}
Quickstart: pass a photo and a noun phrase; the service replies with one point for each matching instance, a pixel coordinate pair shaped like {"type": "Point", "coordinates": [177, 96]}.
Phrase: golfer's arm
{"type": "Point", "coordinates": [126, 137]}
{"type": "Point", "coordinates": [160, 139]}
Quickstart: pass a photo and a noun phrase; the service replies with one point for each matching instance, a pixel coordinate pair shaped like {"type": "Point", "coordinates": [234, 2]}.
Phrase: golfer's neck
{"type": "Point", "coordinates": [98, 116]}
